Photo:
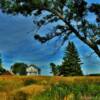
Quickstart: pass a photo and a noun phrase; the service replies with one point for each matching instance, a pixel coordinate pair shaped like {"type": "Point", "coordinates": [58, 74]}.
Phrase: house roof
{"type": "Point", "coordinates": [32, 68]}
{"type": "Point", "coordinates": [7, 73]}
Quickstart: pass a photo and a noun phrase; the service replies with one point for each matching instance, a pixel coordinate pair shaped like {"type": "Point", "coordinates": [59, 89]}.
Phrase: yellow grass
{"type": "Point", "coordinates": [10, 85]}
{"type": "Point", "coordinates": [32, 89]}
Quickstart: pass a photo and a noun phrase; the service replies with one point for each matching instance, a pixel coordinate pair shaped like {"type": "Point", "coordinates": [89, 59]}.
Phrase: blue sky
{"type": "Point", "coordinates": [18, 45]}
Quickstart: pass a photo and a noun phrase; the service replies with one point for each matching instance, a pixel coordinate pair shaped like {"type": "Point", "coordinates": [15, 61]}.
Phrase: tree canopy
{"type": "Point", "coordinates": [72, 13]}
{"type": "Point", "coordinates": [19, 68]}
{"type": "Point", "coordinates": [55, 69]}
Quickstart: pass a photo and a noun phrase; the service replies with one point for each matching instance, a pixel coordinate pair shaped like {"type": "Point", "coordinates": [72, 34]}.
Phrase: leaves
{"type": "Point", "coordinates": [69, 12]}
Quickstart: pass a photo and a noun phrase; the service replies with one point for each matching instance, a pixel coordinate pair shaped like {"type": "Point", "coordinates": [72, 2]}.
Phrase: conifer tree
{"type": "Point", "coordinates": [71, 61]}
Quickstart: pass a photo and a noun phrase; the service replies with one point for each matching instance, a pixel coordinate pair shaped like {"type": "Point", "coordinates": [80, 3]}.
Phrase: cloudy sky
{"type": "Point", "coordinates": [18, 45]}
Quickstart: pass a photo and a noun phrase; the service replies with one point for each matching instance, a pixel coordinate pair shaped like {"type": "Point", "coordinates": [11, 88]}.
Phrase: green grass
{"type": "Point", "coordinates": [73, 91]}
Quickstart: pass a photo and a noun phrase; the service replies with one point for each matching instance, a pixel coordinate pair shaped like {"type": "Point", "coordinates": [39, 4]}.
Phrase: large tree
{"type": "Point", "coordinates": [19, 68]}
{"type": "Point", "coordinates": [67, 17]}
{"type": "Point", "coordinates": [71, 65]}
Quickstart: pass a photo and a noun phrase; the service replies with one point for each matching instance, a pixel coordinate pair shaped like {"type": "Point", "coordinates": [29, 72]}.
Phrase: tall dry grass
{"type": "Point", "coordinates": [56, 88]}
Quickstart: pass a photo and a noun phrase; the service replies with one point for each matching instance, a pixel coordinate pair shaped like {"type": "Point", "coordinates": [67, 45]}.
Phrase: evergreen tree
{"type": "Point", "coordinates": [71, 64]}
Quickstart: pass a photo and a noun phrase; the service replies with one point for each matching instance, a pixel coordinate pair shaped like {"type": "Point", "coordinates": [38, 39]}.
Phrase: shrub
{"type": "Point", "coordinates": [29, 82]}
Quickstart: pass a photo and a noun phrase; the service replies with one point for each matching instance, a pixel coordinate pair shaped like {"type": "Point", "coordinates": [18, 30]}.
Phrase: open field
{"type": "Point", "coordinates": [49, 88]}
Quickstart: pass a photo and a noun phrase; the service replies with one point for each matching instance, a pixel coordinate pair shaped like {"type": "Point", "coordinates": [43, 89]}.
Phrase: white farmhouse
{"type": "Point", "coordinates": [33, 70]}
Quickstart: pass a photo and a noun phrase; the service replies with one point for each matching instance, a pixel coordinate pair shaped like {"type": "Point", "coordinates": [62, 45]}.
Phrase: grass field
{"type": "Point", "coordinates": [49, 88]}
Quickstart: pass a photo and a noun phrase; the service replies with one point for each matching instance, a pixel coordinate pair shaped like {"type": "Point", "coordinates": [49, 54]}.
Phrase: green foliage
{"type": "Point", "coordinates": [55, 68]}
{"type": "Point", "coordinates": [19, 68]}
{"type": "Point", "coordinates": [71, 64]}
{"type": "Point", "coordinates": [1, 67]}
{"type": "Point", "coordinates": [94, 74]}
{"type": "Point", "coordinates": [0, 62]}
{"type": "Point", "coordinates": [67, 11]}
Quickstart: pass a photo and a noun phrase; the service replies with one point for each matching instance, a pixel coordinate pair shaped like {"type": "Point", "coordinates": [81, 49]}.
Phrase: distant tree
{"type": "Point", "coordinates": [1, 67]}
{"type": "Point", "coordinates": [71, 61]}
{"type": "Point", "coordinates": [19, 68]}
{"type": "Point", "coordinates": [54, 68]}
{"type": "Point", "coordinates": [96, 74]}
{"type": "Point", "coordinates": [0, 63]}
{"type": "Point", "coordinates": [74, 14]}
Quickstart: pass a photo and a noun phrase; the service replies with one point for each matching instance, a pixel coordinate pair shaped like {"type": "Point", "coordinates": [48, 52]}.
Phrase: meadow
{"type": "Point", "coordinates": [49, 88]}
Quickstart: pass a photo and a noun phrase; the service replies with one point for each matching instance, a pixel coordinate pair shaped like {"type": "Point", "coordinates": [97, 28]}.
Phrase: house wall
{"type": "Point", "coordinates": [32, 71]}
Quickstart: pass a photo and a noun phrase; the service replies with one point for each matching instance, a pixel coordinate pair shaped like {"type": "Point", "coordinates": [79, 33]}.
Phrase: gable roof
{"type": "Point", "coordinates": [7, 73]}
{"type": "Point", "coordinates": [32, 65]}
{"type": "Point", "coordinates": [32, 68]}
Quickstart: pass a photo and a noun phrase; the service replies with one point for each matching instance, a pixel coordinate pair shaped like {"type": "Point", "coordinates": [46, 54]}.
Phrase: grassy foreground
{"type": "Point", "coordinates": [49, 88]}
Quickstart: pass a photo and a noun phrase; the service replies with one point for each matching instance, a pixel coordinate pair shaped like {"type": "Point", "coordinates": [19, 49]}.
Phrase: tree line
{"type": "Point", "coordinates": [71, 65]}
{"type": "Point", "coordinates": [18, 68]}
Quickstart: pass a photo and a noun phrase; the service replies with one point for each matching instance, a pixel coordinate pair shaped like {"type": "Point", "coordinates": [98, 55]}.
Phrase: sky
{"type": "Point", "coordinates": [17, 44]}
